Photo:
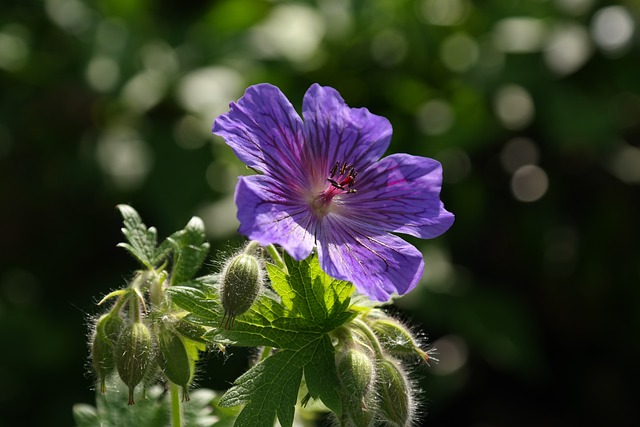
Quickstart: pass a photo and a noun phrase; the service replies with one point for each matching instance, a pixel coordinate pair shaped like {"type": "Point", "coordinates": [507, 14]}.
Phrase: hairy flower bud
{"type": "Point", "coordinates": [133, 355]}
{"type": "Point", "coordinates": [397, 339]}
{"type": "Point", "coordinates": [356, 370]}
{"type": "Point", "coordinates": [106, 332]}
{"type": "Point", "coordinates": [396, 405]}
{"type": "Point", "coordinates": [241, 283]}
{"type": "Point", "coordinates": [174, 360]}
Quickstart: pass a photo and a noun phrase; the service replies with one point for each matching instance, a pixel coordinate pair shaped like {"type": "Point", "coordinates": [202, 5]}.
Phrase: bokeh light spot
{"type": "Point", "coordinates": [220, 218]}
{"type": "Point", "coordinates": [567, 50]}
{"type": "Point", "coordinates": [459, 52]}
{"type": "Point", "coordinates": [518, 152]}
{"type": "Point", "coordinates": [159, 56]}
{"type": "Point", "coordinates": [190, 134]}
{"type": "Point", "coordinates": [111, 36]}
{"type": "Point", "coordinates": [519, 34]}
{"type": "Point", "coordinates": [625, 164]}
{"type": "Point", "coordinates": [452, 353]}
{"type": "Point", "coordinates": [444, 12]}
{"type": "Point", "coordinates": [612, 28]}
{"type": "Point", "coordinates": [291, 31]}
{"type": "Point", "coordinates": [529, 183]}
{"type": "Point", "coordinates": [435, 117]}
{"type": "Point", "coordinates": [102, 73]}
{"type": "Point", "coordinates": [456, 164]}
{"type": "Point", "coordinates": [144, 91]}
{"type": "Point", "coordinates": [124, 157]}
{"type": "Point", "coordinates": [206, 92]}
{"type": "Point", "coordinates": [14, 50]}
{"type": "Point", "coordinates": [575, 7]}
{"type": "Point", "coordinates": [338, 17]}
{"type": "Point", "coordinates": [389, 47]}
{"type": "Point", "coordinates": [514, 107]}
{"type": "Point", "coordinates": [72, 15]}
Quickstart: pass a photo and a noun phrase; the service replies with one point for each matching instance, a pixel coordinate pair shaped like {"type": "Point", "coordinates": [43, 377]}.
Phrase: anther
{"type": "Point", "coordinates": [346, 177]}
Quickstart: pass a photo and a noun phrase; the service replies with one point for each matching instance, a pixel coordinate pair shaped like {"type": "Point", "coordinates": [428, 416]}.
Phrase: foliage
{"type": "Point", "coordinates": [516, 294]}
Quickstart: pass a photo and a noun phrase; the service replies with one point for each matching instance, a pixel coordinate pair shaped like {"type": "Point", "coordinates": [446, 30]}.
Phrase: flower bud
{"type": "Point", "coordinates": [106, 332]}
{"type": "Point", "coordinates": [395, 394]}
{"type": "Point", "coordinates": [397, 339]}
{"type": "Point", "coordinates": [241, 282]}
{"type": "Point", "coordinates": [174, 360]}
{"type": "Point", "coordinates": [133, 355]}
{"type": "Point", "coordinates": [356, 370]}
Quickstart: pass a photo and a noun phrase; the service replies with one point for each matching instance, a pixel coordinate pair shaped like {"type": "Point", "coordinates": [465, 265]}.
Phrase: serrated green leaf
{"type": "Point", "coordinates": [195, 302]}
{"type": "Point", "coordinates": [312, 305]}
{"type": "Point", "coordinates": [153, 411]}
{"type": "Point", "coordinates": [269, 389]}
{"type": "Point", "coordinates": [321, 375]}
{"type": "Point", "coordinates": [141, 240]}
{"type": "Point", "coordinates": [190, 251]}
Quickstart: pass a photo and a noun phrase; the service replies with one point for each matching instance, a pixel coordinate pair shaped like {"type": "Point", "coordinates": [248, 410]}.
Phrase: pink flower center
{"type": "Point", "coordinates": [342, 178]}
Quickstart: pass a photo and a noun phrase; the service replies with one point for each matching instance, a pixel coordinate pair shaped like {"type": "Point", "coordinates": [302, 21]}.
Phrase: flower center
{"type": "Point", "coordinates": [346, 178]}
{"type": "Point", "coordinates": [342, 178]}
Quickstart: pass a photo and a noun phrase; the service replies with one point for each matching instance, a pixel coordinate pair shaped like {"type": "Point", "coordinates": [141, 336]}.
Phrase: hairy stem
{"type": "Point", "coordinates": [275, 255]}
{"type": "Point", "coordinates": [176, 405]}
{"type": "Point", "coordinates": [366, 330]}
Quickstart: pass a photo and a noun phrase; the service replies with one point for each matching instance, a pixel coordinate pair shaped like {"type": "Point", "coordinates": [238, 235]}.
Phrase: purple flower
{"type": "Point", "coordinates": [322, 183]}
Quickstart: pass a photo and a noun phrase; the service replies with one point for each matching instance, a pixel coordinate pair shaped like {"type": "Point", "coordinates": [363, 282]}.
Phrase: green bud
{"type": "Point", "coordinates": [174, 360]}
{"type": "Point", "coordinates": [106, 331]}
{"type": "Point", "coordinates": [356, 370]}
{"type": "Point", "coordinates": [133, 355]}
{"type": "Point", "coordinates": [241, 282]}
{"type": "Point", "coordinates": [395, 394]}
{"type": "Point", "coordinates": [397, 339]}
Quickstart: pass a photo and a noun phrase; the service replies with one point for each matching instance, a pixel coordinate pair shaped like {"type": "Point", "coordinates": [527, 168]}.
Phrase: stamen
{"type": "Point", "coordinates": [346, 178]}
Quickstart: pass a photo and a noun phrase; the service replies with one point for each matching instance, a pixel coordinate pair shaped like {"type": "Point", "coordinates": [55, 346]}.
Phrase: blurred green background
{"type": "Point", "coordinates": [532, 106]}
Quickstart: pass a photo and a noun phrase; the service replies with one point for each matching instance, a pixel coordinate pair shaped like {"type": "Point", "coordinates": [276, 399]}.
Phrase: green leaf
{"type": "Point", "coordinates": [153, 411]}
{"type": "Point", "coordinates": [311, 305]}
{"type": "Point", "coordinates": [195, 301]}
{"type": "Point", "coordinates": [141, 240]}
{"type": "Point", "coordinates": [190, 250]}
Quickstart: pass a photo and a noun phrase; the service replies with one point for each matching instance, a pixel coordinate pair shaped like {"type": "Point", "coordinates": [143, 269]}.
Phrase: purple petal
{"type": "Point", "coordinates": [264, 130]}
{"type": "Point", "coordinates": [269, 215]}
{"type": "Point", "coordinates": [337, 133]}
{"type": "Point", "coordinates": [401, 193]}
{"type": "Point", "coordinates": [379, 265]}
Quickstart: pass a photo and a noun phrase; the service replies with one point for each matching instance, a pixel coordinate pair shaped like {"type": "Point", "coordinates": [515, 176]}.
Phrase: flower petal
{"type": "Point", "coordinates": [269, 215]}
{"type": "Point", "coordinates": [401, 193]}
{"type": "Point", "coordinates": [264, 130]}
{"type": "Point", "coordinates": [337, 133]}
{"type": "Point", "coordinates": [379, 265]}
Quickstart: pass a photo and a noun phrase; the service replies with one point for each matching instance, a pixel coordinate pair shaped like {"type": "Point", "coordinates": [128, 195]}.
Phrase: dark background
{"type": "Point", "coordinates": [533, 107]}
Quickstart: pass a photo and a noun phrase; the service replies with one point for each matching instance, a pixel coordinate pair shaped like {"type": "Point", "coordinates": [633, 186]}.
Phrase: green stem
{"type": "Point", "coordinates": [176, 405]}
{"type": "Point", "coordinates": [251, 246]}
{"type": "Point", "coordinates": [275, 255]}
{"type": "Point", "coordinates": [373, 339]}
{"type": "Point", "coordinates": [156, 290]}
{"type": "Point", "coordinates": [134, 309]}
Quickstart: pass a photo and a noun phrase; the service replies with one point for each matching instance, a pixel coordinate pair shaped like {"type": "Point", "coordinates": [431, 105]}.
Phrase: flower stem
{"type": "Point", "coordinates": [275, 255]}
{"type": "Point", "coordinates": [176, 405]}
{"type": "Point", "coordinates": [251, 246]}
{"type": "Point", "coordinates": [366, 330]}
